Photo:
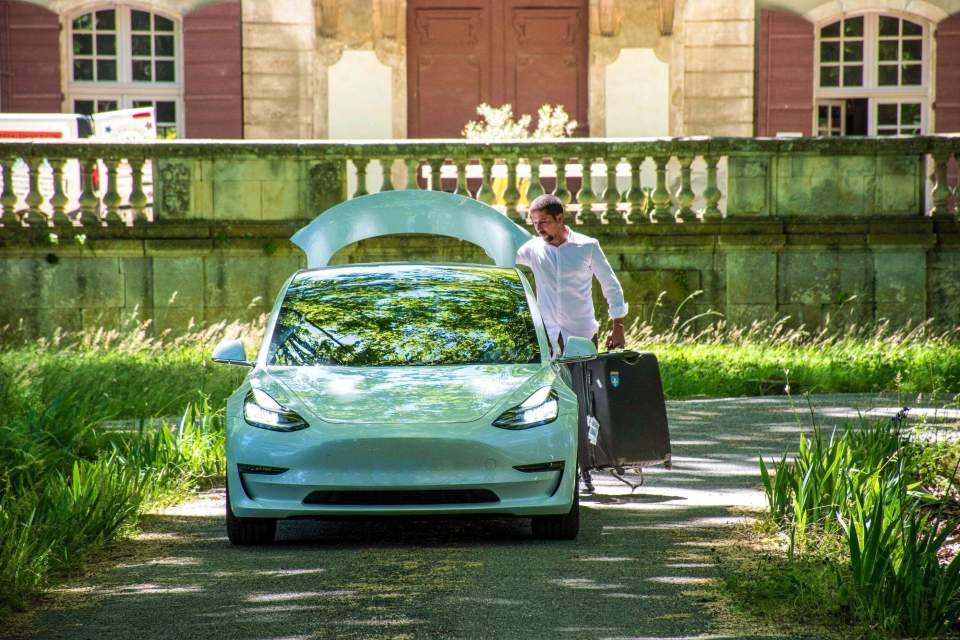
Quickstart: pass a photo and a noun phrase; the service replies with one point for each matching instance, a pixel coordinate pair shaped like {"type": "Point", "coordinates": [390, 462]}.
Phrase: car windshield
{"type": "Point", "coordinates": [404, 315]}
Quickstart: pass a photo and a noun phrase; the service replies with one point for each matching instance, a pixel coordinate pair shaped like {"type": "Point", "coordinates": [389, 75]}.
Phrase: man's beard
{"type": "Point", "coordinates": [546, 236]}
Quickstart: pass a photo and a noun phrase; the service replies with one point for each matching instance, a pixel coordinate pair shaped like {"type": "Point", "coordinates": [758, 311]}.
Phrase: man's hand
{"type": "Point", "coordinates": [616, 339]}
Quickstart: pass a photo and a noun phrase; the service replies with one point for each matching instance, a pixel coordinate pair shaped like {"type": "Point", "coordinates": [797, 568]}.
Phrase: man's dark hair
{"type": "Point", "coordinates": [548, 203]}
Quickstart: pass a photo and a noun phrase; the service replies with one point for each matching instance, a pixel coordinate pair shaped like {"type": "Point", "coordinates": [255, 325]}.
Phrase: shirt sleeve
{"type": "Point", "coordinates": [523, 254]}
{"type": "Point", "coordinates": [609, 283]}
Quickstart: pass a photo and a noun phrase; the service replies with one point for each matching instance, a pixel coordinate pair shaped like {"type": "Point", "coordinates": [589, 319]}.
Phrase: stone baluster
{"type": "Point", "coordinates": [511, 196]}
{"type": "Point", "coordinates": [462, 189]}
{"type": "Point", "coordinates": [89, 202]}
{"type": "Point", "coordinates": [59, 199]}
{"type": "Point", "coordinates": [563, 194]}
{"type": "Point", "coordinates": [611, 195]}
{"type": "Point", "coordinates": [361, 165]}
{"type": "Point", "coordinates": [413, 165]}
{"type": "Point", "coordinates": [34, 216]}
{"type": "Point", "coordinates": [485, 193]}
{"type": "Point", "coordinates": [660, 196]}
{"type": "Point", "coordinates": [535, 190]}
{"type": "Point", "coordinates": [435, 180]}
{"type": "Point", "coordinates": [111, 198]}
{"type": "Point", "coordinates": [586, 196]}
{"type": "Point", "coordinates": [711, 195]}
{"type": "Point", "coordinates": [386, 166]}
{"type": "Point", "coordinates": [635, 195]}
{"type": "Point", "coordinates": [8, 197]}
{"type": "Point", "coordinates": [138, 199]}
{"type": "Point", "coordinates": [685, 195]}
{"type": "Point", "coordinates": [941, 190]}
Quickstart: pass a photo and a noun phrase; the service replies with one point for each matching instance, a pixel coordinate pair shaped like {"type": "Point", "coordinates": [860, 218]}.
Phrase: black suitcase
{"type": "Point", "coordinates": [622, 390]}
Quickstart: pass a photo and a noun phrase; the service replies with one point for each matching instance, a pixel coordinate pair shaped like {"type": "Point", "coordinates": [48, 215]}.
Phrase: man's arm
{"type": "Point", "coordinates": [613, 292]}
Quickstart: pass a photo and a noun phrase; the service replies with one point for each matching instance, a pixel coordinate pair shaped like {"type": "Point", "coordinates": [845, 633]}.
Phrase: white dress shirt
{"type": "Point", "coordinates": [564, 277]}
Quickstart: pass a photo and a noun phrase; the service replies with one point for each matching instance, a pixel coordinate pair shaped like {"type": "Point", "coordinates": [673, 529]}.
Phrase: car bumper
{"type": "Point", "coordinates": [419, 468]}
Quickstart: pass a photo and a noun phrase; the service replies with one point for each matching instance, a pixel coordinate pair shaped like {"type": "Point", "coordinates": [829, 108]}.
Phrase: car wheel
{"type": "Point", "coordinates": [562, 527]}
{"type": "Point", "coordinates": [249, 531]}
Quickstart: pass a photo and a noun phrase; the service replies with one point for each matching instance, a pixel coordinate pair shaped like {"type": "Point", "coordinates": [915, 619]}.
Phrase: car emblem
{"type": "Point", "coordinates": [615, 378]}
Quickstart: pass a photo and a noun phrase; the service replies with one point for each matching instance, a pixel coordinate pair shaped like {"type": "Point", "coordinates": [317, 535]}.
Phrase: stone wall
{"type": "Point", "coordinates": [748, 270]}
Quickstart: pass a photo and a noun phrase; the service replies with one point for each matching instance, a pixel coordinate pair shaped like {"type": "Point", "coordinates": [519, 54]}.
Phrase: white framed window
{"type": "Point", "coordinates": [899, 118]}
{"type": "Point", "coordinates": [124, 56]}
{"type": "Point", "coordinates": [831, 118]}
{"type": "Point", "coordinates": [876, 67]}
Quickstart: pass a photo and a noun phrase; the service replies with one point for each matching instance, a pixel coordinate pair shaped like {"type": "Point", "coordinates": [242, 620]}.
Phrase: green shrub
{"type": "Point", "coordinates": [866, 487]}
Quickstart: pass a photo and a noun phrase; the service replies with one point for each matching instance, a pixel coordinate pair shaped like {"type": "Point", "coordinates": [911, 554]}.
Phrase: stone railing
{"type": "Point", "coordinates": [612, 181]}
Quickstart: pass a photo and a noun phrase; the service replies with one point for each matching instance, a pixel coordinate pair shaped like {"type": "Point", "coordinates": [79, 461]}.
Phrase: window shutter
{"type": "Point", "coordinates": [29, 58]}
{"type": "Point", "coordinates": [948, 75]}
{"type": "Point", "coordinates": [785, 91]}
{"type": "Point", "coordinates": [213, 72]}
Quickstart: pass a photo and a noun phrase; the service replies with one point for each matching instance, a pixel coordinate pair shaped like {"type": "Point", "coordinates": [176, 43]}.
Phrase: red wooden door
{"type": "Point", "coordinates": [546, 57]}
{"type": "Point", "coordinates": [464, 52]}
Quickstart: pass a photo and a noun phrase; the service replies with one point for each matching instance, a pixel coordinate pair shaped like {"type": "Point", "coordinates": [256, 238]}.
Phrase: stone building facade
{"type": "Point", "coordinates": [379, 69]}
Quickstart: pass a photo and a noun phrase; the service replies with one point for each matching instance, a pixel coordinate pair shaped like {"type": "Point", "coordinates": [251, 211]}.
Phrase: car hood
{"type": "Point", "coordinates": [402, 395]}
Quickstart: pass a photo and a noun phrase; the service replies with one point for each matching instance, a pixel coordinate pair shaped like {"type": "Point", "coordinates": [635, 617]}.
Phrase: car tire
{"type": "Point", "coordinates": [249, 531]}
{"type": "Point", "coordinates": [559, 527]}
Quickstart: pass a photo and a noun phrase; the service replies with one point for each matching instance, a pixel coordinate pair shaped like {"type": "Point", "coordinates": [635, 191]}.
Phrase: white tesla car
{"type": "Point", "coordinates": [404, 388]}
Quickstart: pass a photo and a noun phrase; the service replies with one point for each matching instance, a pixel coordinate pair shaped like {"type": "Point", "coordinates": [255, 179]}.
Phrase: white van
{"type": "Point", "coordinates": [122, 125]}
{"type": "Point", "coordinates": [125, 124]}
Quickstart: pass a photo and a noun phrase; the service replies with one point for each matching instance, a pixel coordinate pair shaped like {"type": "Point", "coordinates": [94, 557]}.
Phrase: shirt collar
{"type": "Point", "coordinates": [573, 238]}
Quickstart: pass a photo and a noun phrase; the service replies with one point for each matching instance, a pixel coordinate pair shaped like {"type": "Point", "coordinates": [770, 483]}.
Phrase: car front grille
{"type": "Point", "coordinates": [402, 498]}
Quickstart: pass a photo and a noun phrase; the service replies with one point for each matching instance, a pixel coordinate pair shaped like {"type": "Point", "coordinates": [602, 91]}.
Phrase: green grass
{"type": "Point", "coordinates": [96, 427]}
{"type": "Point", "coordinates": [68, 486]}
{"type": "Point", "coordinates": [764, 359]}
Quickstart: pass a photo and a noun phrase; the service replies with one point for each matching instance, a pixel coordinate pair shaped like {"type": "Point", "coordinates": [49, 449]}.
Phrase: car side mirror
{"type": "Point", "coordinates": [231, 352]}
{"type": "Point", "coordinates": [577, 349]}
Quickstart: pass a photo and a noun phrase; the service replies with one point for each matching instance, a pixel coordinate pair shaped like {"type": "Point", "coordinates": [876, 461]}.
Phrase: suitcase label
{"type": "Point", "coordinates": [615, 379]}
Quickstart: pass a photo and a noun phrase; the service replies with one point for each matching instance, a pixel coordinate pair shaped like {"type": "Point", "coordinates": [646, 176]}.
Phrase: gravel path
{"type": "Point", "coordinates": [637, 570]}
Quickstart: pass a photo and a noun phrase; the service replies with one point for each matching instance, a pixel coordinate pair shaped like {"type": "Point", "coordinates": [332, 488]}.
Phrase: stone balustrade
{"type": "Point", "coordinates": [610, 182]}
{"type": "Point", "coordinates": [816, 231]}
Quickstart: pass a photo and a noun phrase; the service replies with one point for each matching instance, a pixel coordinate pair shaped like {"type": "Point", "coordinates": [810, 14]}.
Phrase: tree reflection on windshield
{"type": "Point", "coordinates": [404, 315]}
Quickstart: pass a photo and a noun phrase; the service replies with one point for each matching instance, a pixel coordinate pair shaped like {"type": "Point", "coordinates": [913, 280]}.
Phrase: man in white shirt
{"type": "Point", "coordinates": [564, 264]}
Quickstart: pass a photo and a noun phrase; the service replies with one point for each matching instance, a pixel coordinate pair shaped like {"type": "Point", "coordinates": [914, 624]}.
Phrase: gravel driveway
{"type": "Point", "coordinates": [638, 569]}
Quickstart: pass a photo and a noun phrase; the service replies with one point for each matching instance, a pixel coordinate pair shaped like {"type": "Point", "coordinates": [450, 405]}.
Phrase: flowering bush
{"type": "Point", "coordinates": [497, 123]}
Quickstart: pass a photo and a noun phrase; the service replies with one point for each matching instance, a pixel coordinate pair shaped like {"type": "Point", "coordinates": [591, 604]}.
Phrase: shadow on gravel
{"type": "Point", "coordinates": [630, 574]}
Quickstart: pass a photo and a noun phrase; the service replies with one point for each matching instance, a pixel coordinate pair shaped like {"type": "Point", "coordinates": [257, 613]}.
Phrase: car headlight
{"type": "Point", "coordinates": [262, 411]}
{"type": "Point", "coordinates": [540, 408]}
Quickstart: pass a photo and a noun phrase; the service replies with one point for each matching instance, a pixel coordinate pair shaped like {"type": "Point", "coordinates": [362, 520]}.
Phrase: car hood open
{"type": "Point", "coordinates": [402, 395]}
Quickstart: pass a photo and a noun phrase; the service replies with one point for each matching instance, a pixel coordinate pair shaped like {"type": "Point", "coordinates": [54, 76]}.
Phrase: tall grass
{"type": "Point", "coordinates": [67, 486]}
{"type": "Point", "coordinates": [127, 372]}
{"type": "Point", "coordinates": [724, 360]}
{"type": "Point", "coordinates": [867, 486]}
{"type": "Point", "coordinates": [134, 374]}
